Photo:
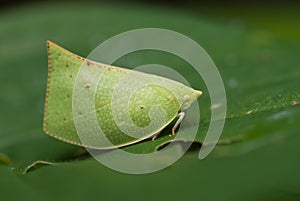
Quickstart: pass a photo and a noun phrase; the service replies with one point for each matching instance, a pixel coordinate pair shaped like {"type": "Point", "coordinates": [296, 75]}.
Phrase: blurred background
{"type": "Point", "coordinates": [255, 46]}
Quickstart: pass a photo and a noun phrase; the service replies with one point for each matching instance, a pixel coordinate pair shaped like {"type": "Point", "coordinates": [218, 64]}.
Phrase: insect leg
{"type": "Point", "coordinates": [179, 120]}
{"type": "Point", "coordinates": [156, 134]}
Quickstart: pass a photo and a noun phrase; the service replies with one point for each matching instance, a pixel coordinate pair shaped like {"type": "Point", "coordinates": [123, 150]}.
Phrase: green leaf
{"type": "Point", "coordinates": [257, 152]}
{"type": "Point", "coordinates": [247, 62]}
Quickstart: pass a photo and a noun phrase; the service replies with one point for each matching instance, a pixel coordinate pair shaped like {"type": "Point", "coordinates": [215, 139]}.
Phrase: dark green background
{"type": "Point", "coordinates": [256, 49]}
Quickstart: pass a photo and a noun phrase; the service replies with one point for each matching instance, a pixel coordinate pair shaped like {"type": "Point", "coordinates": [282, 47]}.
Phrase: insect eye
{"type": "Point", "coordinates": [186, 97]}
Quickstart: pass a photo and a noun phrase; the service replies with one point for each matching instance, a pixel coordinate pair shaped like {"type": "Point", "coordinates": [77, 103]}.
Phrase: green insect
{"type": "Point", "coordinates": [63, 69]}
